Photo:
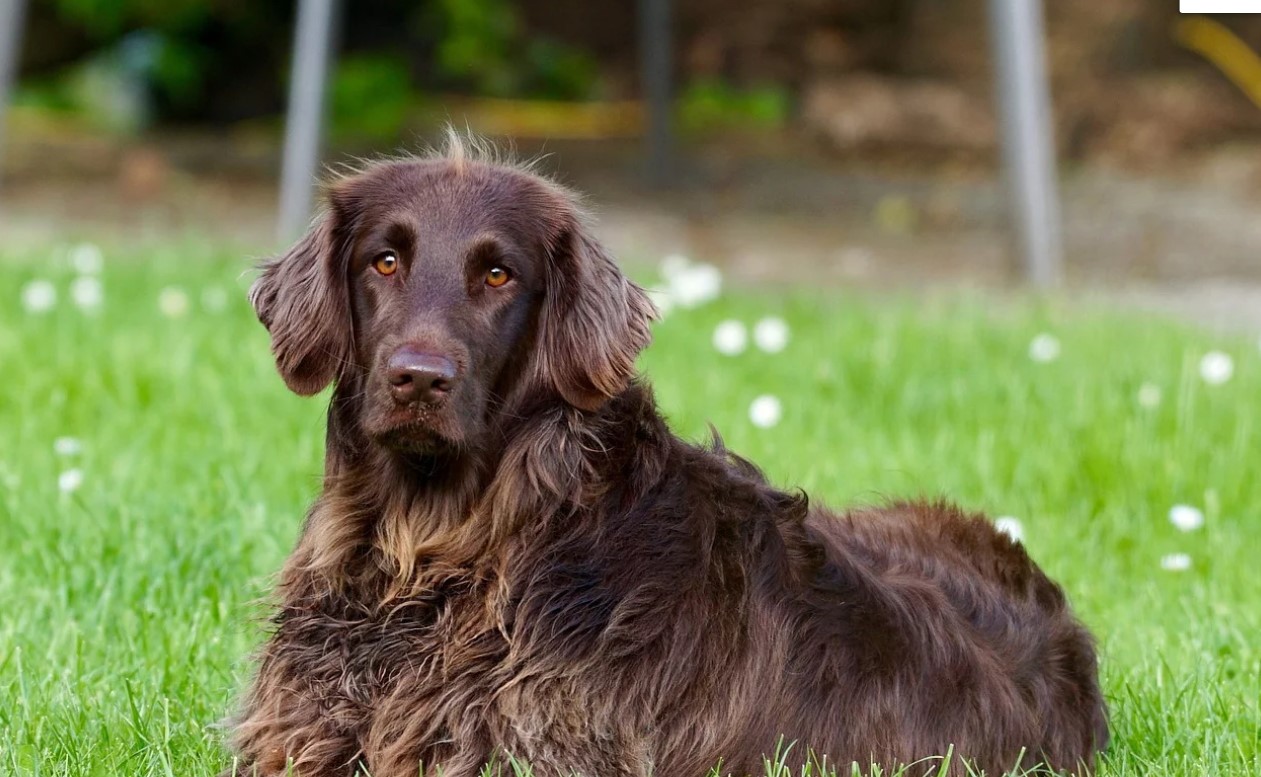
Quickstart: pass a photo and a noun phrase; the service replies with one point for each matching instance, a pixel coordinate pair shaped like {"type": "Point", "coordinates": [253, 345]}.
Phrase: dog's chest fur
{"type": "Point", "coordinates": [446, 676]}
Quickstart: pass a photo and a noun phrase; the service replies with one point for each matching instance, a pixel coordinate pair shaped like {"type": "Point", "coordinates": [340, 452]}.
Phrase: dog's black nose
{"type": "Point", "coordinates": [415, 375]}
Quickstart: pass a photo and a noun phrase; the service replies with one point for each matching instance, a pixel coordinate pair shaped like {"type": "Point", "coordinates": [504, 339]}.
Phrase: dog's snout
{"type": "Point", "coordinates": [419, 376]}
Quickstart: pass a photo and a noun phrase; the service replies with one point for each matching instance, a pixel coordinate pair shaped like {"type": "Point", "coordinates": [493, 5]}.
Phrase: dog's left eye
{"type": "Point", "coordinates": [386, 263]}
{"type": "Point", "coordinates": [497, 276]}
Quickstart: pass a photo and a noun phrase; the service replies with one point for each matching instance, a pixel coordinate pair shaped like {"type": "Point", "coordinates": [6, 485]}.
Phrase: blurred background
{"type": "Point", "coordinates": [852, 142]}
{"type": "Point", "coordinates": [913, 248]}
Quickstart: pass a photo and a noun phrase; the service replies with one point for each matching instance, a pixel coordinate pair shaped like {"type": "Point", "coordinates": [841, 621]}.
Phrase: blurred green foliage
{"type": "Point", "coordinates": [123, 63]}
{"type": "Point", "coordinates": [478, 43]}
{"type": "Point", "coordinates": [141, 61]}
{"type": "Point", "coordinates": [174, 61]}
{"type": "Point", "coordinates": [104, 19]}
{"type": "Point", "coordinates": [149, 60]}
{"type": "Point", "coordinates": [485, 47]}
{"type": "Point", "coordinates": [371, 97]}
{"type": "Point", "coordinates": [561, 72]}
{"type": "Point", "coordinates": [114, 87]}
{"type": "Point", "coordinates": [710, 104]}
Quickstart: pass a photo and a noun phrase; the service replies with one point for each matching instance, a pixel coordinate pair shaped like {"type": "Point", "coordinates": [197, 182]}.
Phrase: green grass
{"type": "Point", "coordinates": [128, 608]}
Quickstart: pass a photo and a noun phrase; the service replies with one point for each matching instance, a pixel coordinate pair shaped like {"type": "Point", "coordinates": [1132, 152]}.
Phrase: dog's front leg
{"type": "Point", "coordinates": [291, 727]}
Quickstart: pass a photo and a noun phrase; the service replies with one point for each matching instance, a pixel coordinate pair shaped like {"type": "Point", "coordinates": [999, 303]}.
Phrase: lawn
{"type": "Point", "coordinates": [134, 553]}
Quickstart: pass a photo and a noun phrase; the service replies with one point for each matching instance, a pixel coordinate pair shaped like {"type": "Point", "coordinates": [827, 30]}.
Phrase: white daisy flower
{"type": "Point", "coordinates": [1044, 348]}
{"type": "Point", "coordinates": [771, 334]}
{"type": "Point", "coordinates": [173, 302]}
{"type": "Point", "coordinates": [67, 446]}
{"type": "Point", "coordinates": [39, 296]}
{"type": "Point", "coordinates": [70, 480]}
{"type": "Point", "coordinates": [731, 337]}
{"type": "Point", "coordinates": [87, 259]}
{"type": "Point", "coordinates": [695, 285]}
{"type": "Point", "coordinates": [87, 292]}
{"type": "Point", "coordinates": [1175, 562]}
{"type": "Point", "coordinates": [1149, 396]}
{"type": "Point", "coordinates": [1216, 368]}
{"type": "Point", "coordinates": [1011, 527]}
{"type": "Point", "coordinates": [765, 411]}
{"type": "Point", "coordinates": [1186, 517]}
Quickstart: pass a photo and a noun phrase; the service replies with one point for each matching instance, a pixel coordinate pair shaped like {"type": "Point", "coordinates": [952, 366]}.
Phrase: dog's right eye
{"type": "Point", "coordinates": [386, 263]}
{"type": "Point", "coordinates": [497, 276]}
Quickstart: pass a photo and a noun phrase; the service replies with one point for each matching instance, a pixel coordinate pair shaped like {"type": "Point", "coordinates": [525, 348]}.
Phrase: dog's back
{"type": "Point", "coordinates": [726, 617]}
{"type": "Point", "coordinates": [879, 636]}
{"type": "Point", "coordinates": [962, 638]}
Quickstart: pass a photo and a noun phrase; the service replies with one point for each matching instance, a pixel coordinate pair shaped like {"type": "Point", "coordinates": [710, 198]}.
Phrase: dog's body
{"type": "Point", "coordinates": [537, 568]}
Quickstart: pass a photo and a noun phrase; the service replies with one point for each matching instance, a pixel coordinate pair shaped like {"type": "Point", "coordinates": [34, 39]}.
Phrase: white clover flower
{"type": "Point", "coordinates": [1149, 396]}
{"type": "Point", "coordinates": [1044, 348]}
{"type": "Point", "coordinates": [1216, 368]}
{"type": "Point", "coordinates": [69, 481]}
{"type": "Point", "coordinates": [771, 334]}
{"type": "Point", "coordinates": [39, 296]}
{"type": "Point", "coordinates": [1175, 562]}
{"type": "Point", "coordinates": [731, 337]}
{"type": "Point", "coordinates": [214, 299]}
{"type": "Point", "coordinates": [695, 285]}
{"type": "Point", "coordinates": [1011, 527]}
{"type": "Point", "coordinates": [173, 302]}
{"type": "Point", "coordinates": [765, 411]}
{"type": "Point", "coordinates": [87, 292]}
{"type": "Point", "coordinates": [1186, 517]}
{"type": "Point", "coordinates": [87, 259]}
{"type": "Point", "coordinates": [67, 446]}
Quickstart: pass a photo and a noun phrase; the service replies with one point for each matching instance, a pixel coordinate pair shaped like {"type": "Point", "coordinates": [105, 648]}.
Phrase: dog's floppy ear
{"type": "Point", "coordinates": [594, 321]}
{"type": "Point", "coordinates": [301, 298]}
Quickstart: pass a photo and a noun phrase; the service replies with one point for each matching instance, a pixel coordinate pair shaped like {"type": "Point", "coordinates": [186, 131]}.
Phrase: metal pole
{"type": "Point", "coordinates": [312, 51]}
{"type": "Point", "coordinates": [655, 50]}
{"type": "Point", "coordinates": [11, 19]}
{"type": "Point", "coordinates": [1024, 102]}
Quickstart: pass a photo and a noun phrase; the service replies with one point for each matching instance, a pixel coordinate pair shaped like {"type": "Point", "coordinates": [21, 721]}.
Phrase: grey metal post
{"type": "Point", "coordinates": [655, 49]}
{"type": "Point", "coordinates": [304, 121]}
{"type": "Point", "coordinates": [11, 22]}
{"type": "Point", "coordinates": [1016, 33]}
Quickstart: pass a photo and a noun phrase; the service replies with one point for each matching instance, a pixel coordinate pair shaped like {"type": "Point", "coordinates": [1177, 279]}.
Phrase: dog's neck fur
{"type": "Point", "coordinates": [431, 519]}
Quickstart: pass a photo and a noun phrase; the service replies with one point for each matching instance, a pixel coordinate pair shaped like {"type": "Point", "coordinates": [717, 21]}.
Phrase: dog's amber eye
{"type": "Point", "coordinates": [496, 277]}
{"type": "Point", "coordinates": [386, 263]}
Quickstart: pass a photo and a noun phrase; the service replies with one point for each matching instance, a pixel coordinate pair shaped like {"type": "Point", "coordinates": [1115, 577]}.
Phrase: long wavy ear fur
{"type": "Point", "coordinates": [301, 298]}
{"type": "Point", "coordinates": [594, 321]}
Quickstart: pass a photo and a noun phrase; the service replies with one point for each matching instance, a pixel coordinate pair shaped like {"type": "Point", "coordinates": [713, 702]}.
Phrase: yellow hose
{"type": "Point", "coordinates": [1212, 40]}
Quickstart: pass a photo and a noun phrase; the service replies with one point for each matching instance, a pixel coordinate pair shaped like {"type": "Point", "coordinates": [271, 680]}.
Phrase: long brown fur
{"type": "Point", "coordinates": [564, 581]}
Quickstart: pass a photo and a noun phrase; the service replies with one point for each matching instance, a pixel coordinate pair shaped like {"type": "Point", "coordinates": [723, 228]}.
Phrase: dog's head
{"type": "Point", "coordinates": [432, 291]}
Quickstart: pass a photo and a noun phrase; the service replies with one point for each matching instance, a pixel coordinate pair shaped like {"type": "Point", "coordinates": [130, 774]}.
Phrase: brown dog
{"type": "Point", "coordinates": [514, 557]}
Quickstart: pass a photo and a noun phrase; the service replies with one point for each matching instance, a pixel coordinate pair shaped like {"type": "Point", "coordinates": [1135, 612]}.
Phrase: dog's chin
{"type": "Point", "coordinates": [418, 435]}
{"type": "Point", "coordinates": [416, 442]}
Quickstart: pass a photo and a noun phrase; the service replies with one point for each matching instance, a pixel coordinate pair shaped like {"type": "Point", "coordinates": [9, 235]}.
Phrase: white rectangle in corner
{"type": "Point", "coordinates": [1219, 6]}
